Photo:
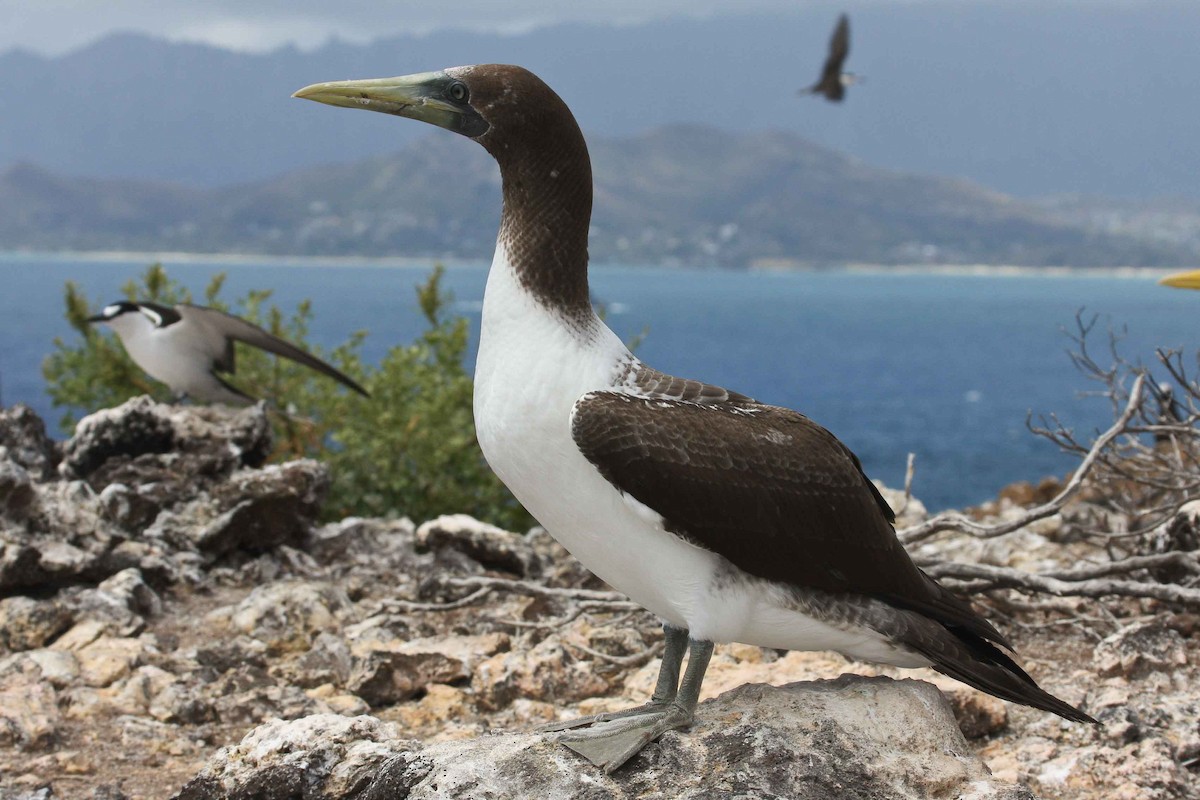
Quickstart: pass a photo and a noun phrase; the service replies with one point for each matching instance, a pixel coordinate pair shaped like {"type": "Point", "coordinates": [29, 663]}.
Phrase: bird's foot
{"type": "Point", "coordinates": [608, 716]}
{"type": "Point", "coordinates": [610, 744]}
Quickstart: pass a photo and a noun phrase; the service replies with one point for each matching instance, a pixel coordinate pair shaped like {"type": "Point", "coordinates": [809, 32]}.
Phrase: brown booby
{"type": "Point", "coordinates": [731, 520]}
{"type": "Point", "coordinates": [833, 82]}
{"type": "Point", "coordinates": [186, 346]}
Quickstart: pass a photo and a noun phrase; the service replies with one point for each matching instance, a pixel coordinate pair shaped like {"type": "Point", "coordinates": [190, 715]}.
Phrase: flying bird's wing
{"type": "Point", "coordinates": [839, 46]}
{"type": "Point", "coordinates": [766, 488]}
{"type": "Point", "coordinates": [830, 83]}
{"type": "Point", "coordinates": [238, 329]}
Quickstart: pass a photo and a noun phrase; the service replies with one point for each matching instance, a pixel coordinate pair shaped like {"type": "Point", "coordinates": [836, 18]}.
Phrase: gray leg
{"type": "Point", "coordinates": [664, 690]}
{"type": "Point", "coordinates": [610, 745]}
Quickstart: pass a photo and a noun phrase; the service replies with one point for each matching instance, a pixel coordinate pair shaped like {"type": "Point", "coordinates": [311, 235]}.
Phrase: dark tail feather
{"type": "Point", "coordinates": [977, 662]}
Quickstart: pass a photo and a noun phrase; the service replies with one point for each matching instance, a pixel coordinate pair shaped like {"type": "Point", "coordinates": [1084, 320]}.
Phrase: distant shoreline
{"type": "Point", "coordinates": [259, 259]}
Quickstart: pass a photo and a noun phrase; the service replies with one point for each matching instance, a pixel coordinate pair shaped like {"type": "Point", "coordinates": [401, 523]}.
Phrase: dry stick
{"type": "Point", "coordinates": [1008, 578]}
{"type": "Point", "coordinates": [955, 521]}
{"type": "Point", "coordinates": [908, 478]}
{"type": "Point", "coordinates": [611, 599]}
{"type": "Point", "coordinates": [1177, 559]}
{"type": "Point", "coordinates": [634, 660]}
{"type": "Point", "coordinates": [1181, 560]}
{"type": "Point", "coordinates": [408, 605]}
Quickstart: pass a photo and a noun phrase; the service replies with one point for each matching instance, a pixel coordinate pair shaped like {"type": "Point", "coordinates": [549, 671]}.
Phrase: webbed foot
{"type": "Point", "coordinates": [608, 716]}
{"type": "Point", "coordinates": [610, 744]}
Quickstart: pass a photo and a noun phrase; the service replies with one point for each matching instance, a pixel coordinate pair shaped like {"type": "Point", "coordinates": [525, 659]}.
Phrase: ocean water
{"type": "Point", "coordinates": [945, 366]}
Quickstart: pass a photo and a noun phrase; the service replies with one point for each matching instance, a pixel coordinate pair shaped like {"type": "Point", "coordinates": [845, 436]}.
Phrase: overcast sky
{"type": "Point", "coordinates": [52, 27]}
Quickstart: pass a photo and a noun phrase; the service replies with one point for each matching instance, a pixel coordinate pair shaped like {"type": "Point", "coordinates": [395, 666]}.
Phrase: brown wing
{"type": "Point", "coordinates": [839, 47]}
{"type": "Point", "coordinates": [239, 329]}
{"type": "Point", "coordinates": [764, 487]}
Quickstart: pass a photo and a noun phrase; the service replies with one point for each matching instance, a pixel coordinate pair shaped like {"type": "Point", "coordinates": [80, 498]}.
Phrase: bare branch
{"type": "Point", "coordinates": [956, 521]}
{"type": "Point", "coordinates": [633, 660]}
{"type": "Point", "coordinates": [392, 604]}
{"type": "Point", "coordinates": [611, 600]}
{"type": "Point", "coordinates": [1008, 578]}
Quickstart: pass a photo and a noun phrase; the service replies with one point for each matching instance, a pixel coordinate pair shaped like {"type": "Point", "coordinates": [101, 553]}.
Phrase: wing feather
{"type": "Point", "coordinates": [766, 488]}
{"type": "Point", "coordinates": [240, 330]}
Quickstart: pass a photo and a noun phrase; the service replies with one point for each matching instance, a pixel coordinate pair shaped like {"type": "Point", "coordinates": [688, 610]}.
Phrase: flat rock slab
{"type": "Point", "coordinates": [850, 738]}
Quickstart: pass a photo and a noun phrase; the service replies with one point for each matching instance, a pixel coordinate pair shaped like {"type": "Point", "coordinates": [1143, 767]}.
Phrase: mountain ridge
{"type": "Point", "coordinates": [1032, 100]}
{"type": "Point", "coordinates": [677, 194]}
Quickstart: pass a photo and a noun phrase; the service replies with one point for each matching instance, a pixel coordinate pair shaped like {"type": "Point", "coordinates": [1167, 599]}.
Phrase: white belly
{"type": "Point", "coordinates": [531, 369]}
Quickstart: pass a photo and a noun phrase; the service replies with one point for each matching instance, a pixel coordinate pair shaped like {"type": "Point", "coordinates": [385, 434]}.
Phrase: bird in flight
{"type": "Point", "coordinates": [186, 346]}
{"type": "Point", "coordinates": [730, 519]}
{"type": "Point", "coordinates": [833, 81]}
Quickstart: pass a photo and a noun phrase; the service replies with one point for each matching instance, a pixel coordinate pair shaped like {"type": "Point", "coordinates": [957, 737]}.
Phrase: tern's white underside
{"type": "Point", "coordinates": [180, 355]}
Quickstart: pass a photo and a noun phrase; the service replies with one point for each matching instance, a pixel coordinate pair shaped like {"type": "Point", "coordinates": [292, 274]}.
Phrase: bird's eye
{"type": "Point", "coordinates": [458, 92]}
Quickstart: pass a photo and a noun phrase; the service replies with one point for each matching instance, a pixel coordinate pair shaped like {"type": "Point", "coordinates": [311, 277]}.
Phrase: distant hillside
{"type": "Point", "coordinates": [1029, 97]}
{"type": "Point", "coordinates": [679, 194]}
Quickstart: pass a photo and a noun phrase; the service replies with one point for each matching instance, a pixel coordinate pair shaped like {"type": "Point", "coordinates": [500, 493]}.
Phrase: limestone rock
{"type": "Point", "coordinates": [355, 537]}
{"type": "Point", "coordinates": [26, 623]}
{"type": "Point", "coordinates": [327, 662]}
{"type": "Point", "coordinates": [1026, 494]}
{"type": "Point", "coordinates": [1140, 648]}
{"type": "Point", "coordinates": [547, 672]}
{"type": "Point", "coordinates": [29, 716]}
{"type": "Point", "coordinates": [129, 430]}
{"type": "Point", "coordinates": [978, 714]}
{"type": "Point", "coordinates": [107, 659]}
{"type": "Point", "coordinates": [265, 508]}
{"type": "Point", "coordinates": [390, 671]}
{"type": "Point", "coordinates": [58, 668]}
{"type": "Point", "coordinates": [128, 589]}
{"type": "Point", "coordinates": [287, 615]}
{"type": "Point", "coordinates": [121, 602]}
{"type": "Point", "coordinates": [23, 436]}
{"type": "Point", "coordinates": [196, 440]}
{"type": "Point", "coordinates": [19, 566]}
{"type": "Point", "coordinates": [494, 548]}
{"type": "Point", "coordinates": [17, 494]}
{"type": "Point", "coordinates": [854, 737]}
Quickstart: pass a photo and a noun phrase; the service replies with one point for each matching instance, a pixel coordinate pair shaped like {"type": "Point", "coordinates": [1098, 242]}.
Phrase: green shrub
{"type": "Point", "coordinates": [408, 450]}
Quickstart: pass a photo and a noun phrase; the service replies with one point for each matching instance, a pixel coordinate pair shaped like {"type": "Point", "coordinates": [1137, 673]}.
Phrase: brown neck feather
{"type": "Point", "coordinates": [547, 180]}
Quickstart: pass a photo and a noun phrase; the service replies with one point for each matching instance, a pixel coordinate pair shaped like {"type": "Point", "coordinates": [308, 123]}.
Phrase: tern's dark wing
{"type": "Point", "coordinates": [240, 330]}
{"type": "Point", "coordinates": [839, 46]}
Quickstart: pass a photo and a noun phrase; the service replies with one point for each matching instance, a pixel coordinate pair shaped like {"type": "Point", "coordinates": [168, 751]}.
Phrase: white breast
{"type": "Point", "coordinates": [532, 367]}
{"type": "Point", "coordinates": [178, 355]}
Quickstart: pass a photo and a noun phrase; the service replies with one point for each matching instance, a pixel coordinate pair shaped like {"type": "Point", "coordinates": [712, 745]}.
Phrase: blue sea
{"type": "Point", "coordinates": [946, 366]}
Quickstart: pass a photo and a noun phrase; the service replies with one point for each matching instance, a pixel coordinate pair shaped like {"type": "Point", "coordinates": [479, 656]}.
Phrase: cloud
{"type": "Point", "coordinates": [54, 26]}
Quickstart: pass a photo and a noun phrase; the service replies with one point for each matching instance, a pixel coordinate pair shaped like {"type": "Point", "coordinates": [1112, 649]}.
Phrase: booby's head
{"type": "Point", "coordinates": [544, 165]}
{"type": "Point", "coordinates": [494, 104]}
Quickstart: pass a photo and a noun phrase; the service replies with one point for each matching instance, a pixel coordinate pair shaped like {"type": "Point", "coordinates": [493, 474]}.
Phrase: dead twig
{"type": "Point", "coordinates": [1009, 578]}
{"type": "Point", "coordinates": [955, 521]}
{"type": "Point", "coordinates": [409, 605]}
{"type": "Point", "coordinates": [610, 600]}
{"type": "Point", "coordinates": [633, 660]}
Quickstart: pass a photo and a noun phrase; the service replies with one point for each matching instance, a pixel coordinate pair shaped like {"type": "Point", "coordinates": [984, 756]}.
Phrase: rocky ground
{"type": "Point", "coordinates": [175, 621]}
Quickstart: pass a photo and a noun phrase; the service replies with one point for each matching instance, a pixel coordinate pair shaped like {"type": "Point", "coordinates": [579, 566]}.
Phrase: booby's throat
{"type": "Point", "coordinates": [547, 178]}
